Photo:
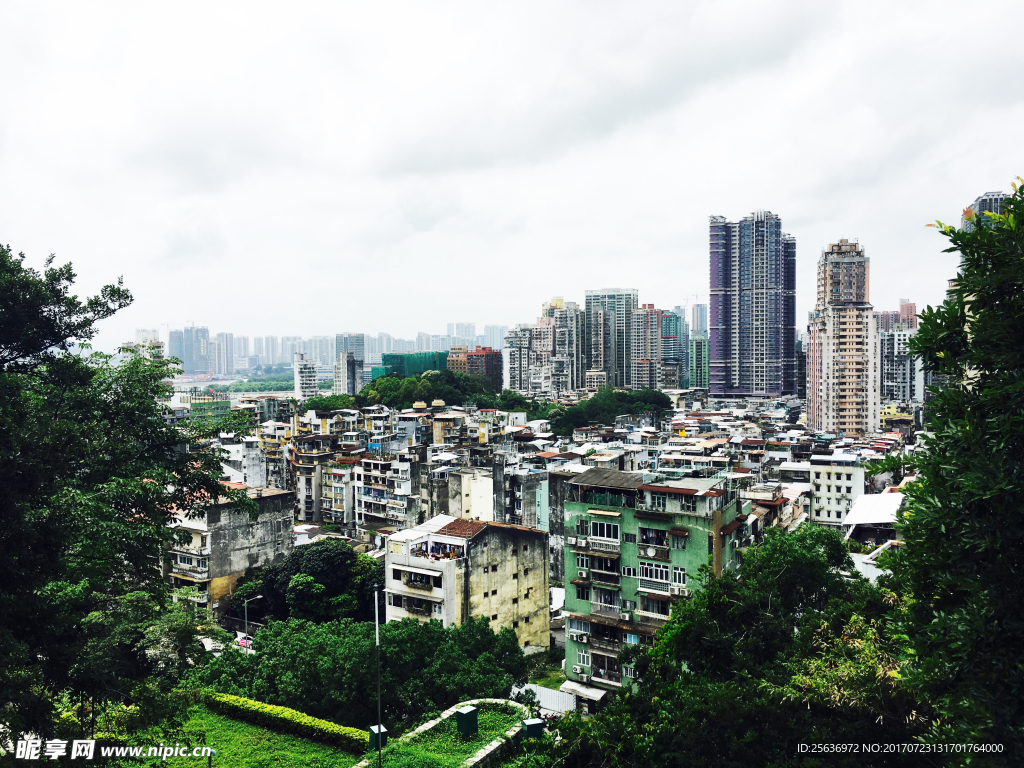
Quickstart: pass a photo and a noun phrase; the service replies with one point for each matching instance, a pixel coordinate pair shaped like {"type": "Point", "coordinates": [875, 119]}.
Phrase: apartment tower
{"type": "Point", "coordinates": [843, 352]}
{"type": "Point", "coordinates": [752, 322]}
{"type": "Point", "coordinates": [611, 338]}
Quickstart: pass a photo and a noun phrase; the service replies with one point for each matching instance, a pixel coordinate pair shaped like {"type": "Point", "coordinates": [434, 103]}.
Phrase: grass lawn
{"type": "Point", "coordinates": [240, 745]}
{"type": "Point", "coordinates": [443, 747]}
{"type": "Point", "coordinates": [549, 678]}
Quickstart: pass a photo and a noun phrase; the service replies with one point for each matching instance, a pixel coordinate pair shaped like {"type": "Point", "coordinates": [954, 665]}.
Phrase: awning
{"type": "Point", "coordinates": [678, 532]}
{"type": "Point", "coordinates": [603, 513]}
{"type": "Point", "coordinates": [421, 571]}
{"type": "Point", "coordinates": [591, 694]}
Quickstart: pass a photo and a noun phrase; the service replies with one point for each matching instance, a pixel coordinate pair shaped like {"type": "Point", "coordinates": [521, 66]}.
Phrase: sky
{"type": "Point", "coordinates": [306, 169]}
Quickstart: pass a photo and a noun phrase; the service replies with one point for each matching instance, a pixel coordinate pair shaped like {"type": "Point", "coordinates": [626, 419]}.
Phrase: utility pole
{"type": "Point", "coordinates": [257, 597]}
{"type": "Point", "coordinates": [376, 627]}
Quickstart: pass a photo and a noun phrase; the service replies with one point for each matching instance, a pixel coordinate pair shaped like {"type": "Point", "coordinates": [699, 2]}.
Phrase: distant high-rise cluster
{"type": "Point", "coordinates": [752, 323]}
{"type": "Point", "coordinates": [990, 201]}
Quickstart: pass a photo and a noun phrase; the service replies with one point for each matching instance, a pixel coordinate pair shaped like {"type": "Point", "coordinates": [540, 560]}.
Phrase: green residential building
{"type": "Point", "coordinates": [634, 543]}
{"type": "Point", "coordinates": [209, 408]}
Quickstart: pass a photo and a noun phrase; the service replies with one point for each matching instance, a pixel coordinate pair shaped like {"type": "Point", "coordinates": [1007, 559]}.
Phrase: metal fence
{"type": "Point", "coordinates": [549, 700]}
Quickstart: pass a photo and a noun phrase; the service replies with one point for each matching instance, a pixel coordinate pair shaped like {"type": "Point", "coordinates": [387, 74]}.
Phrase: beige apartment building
{"type": "Point", "coordinates": [843, 357]}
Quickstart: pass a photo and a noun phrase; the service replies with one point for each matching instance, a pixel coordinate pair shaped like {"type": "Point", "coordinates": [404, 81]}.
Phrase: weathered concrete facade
{"type": "Point", "coordinates": [449, 569]}
{"type": "Point", "coordinates": [228, 541]}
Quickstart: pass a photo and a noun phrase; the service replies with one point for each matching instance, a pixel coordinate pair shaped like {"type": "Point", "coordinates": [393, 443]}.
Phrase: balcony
{"type": "Point", "coordinates": [600, 577]}
{"type": "Point", "coordinates": [605, 644]}
{"type": "Point", "coordinates": [603, 545]}
{"type": "Point", "coordinates": [605, 676]}
{"type": "Point", "coordinates": [192, 571]}
{"type": "Point", "coordinates": [603, 609]}
{"type": "Point", "coordinates": [653, 551]}
{"type": "Point", "coordinates": [655, 619]}
{"type": "Point", "coordinates": [425, 586]}
{"type": "Point", "coordinates": [650, 585]}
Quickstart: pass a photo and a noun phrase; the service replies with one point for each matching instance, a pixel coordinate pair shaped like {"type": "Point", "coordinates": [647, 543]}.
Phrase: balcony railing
{"type": "Point", "coordinates": [605, 610]}
{"type": "Point", "coordinates": [604, 578]}
{"type": "Point", "coordinates": [645, 617]}
{"type": "Point", "coordinates": [426, 586]}
{"type": "Point", "coordinates": [650, 585]}
{"type": "Point", "coordinates": [605, 644]}
{"type": "Point", "coordinates": [192, 570]}
{"type": "Point", "coordinates": [605, 676]}
{"type": "Point", "coordinates": [603, 545]}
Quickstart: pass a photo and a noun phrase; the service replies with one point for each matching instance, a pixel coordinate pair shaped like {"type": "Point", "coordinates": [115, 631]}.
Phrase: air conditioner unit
{"type": "Point", "coordinates": [571, 540]}
{"type": "Point", "coordinates": [584, 678]}
{"type": "Point", "coordinates": [583, 639]}
{"type": "Point", "coordinates": [626, 616]}
{"type": "Point", "coordinates": [583, 574]}
{"type": "Point", "coordinates": [582, 541]}
{"type": "Point", "coordinates": [576, 670]}
{"type": "Point", "coordinates": [675, 590]}
{"type": "Point", "coordinates": [684, 592]}
{"type": "Point", "coordinates": [734, 543]}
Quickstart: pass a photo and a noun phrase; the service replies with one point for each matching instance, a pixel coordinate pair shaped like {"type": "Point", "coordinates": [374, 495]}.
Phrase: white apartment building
{"type": "Point", "coordinates": [304, 370]}
{"type": "Point", "coordinates": [838, 481]}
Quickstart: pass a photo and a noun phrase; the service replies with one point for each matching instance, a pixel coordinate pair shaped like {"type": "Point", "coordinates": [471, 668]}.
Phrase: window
{"type": "Point", "coordinates": [526, 571]}
{"type": "Point", "coordinates": [678, 542]}
{"type": "Point", "coordinates": [604, 530]}
{"type": "Point", "coordinates": [688, 503]}
{"type": "Point", "coordinates": [527, 619]}
{"type": "Point", "coordinates": [494, 569]}
{"type": "Point", "coordinates": [437, 607]}
{"type": "Point", "coordinates": [579, 625]}
{"type": "Point", "coordinates": [711, 545]}
{"type": "Point", "coordinates": [628, 570]}
{"type": "Point", "coordinates": [582, 561]}
{"type": "Point", "coordinates": [526, 548]}
{"type": "Point", "coordinates": [583, 657]}
{"type": "Point", "coordinates": [849, 489]}
{"type": "Point", "coordinates": [629, 605]}
{"type": "Point", "coordinates": [202, 540]}
{"type": "Point", "coordinates": [582, 593]}
{"type": "Point", "coordinates": [201, 563]}
{"type": "Point", "coordinates": [516, 576]}
{"type": "Point", "coordinates": [515, 601]}
{"type": "Point", "coordinates": [629, 538]}
{"type": "Point", "coordinates": [494, 617]}
{"type": "Point", "coordinates": [679, 576]}
{"type": "Point", "coordinates": [629, 672]}
{"type": "Point", "coordinates": [656, 571]}
{"type": "Point", "coordinates": [849, 477]}
{"type": "Point", "coordinates": [817, 475]}
{"type": "Point", "coordinates": [582, 526]}
{"type": "Point", "coordinates": [631, 638]}
{"type": "Point", "coordinates": [184, 559]}
{"type": "Point", "coordinates": [515, 625]}
{"type": "Point", "coordinates": [659, 500]}
{"type": "Point", "coordinates": [494, 592]}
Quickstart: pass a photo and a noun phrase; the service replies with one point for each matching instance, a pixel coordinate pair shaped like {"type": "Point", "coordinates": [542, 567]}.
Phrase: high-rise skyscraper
{"type": "Point", "coordinates": [990, 201]}
{"type": "Point", "coordinates": [304, 372]}
{"type": "Point", "coordinates": [646, 347]}
{"type": "Point", "coordinates": [752, 320]}
{"type": "Point", "coordinates": [494, 336]}
{"type": "Point", "coordinates": [567, 366]}
{"type": "Point", "coordinates": [699, 322]}
{"type": "Point", "coordinates": [675, 350]}
{"type": "Point", "coordinates": [273, 350]}
{"type": "Point", "coordinates": [176, 345]}
{"type": "Point", "coordinates": [350, 342]}
{"type": "Point", "coordinates": [517, 342]}
{"type": "Point", "coordinates": [614, 334]}
{"type": "Point", "coordinates": [843, 354]}
{"type": "Point", "coordinates": [908, 313]}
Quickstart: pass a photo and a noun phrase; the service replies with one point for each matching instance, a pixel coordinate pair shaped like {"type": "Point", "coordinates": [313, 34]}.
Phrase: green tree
{"type": "Point", "coordinates": [964, 520]}
{"type": "Point", "coordinates": [91, 476]}
{"type": "Point", "coordinates": [329, 403]}
{"type": "Point", "coordinates": [327, 670]}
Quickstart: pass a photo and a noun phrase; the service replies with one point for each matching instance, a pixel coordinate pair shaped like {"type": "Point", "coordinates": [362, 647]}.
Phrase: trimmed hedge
{"type": "Point", "coordinates": [289, 720]}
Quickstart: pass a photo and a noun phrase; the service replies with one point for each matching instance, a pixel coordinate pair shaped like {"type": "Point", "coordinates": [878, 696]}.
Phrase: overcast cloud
{"type": "Point", "coordinates": [301, 169]}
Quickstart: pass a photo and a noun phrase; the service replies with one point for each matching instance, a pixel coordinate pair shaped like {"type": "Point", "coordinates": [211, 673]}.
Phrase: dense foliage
{"type": "Point", "coordinates": [328, 403]}
{"type": "Point", "coordinates": [454, 387]}
{"type": "Point", "coordinates": [276, 383]}
{"type": "Point", "coordinates": [606, 404]}
{"type": "Point", "coordinates": [322, 581]}
{"type": "Point", "coordinates": [328, 670]}
{"type": "Point", "coordinates": [964, 526]}
{"type": "Point", "coordinates": [91, 474]}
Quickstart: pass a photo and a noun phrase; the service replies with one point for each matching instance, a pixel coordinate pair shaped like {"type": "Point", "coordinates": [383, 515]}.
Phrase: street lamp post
{"type": "Point", "coordinates": [256, 597]}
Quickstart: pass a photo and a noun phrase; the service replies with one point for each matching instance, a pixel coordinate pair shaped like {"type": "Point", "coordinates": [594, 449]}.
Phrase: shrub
{"type": "Point", "coordinates": [289, 720]}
